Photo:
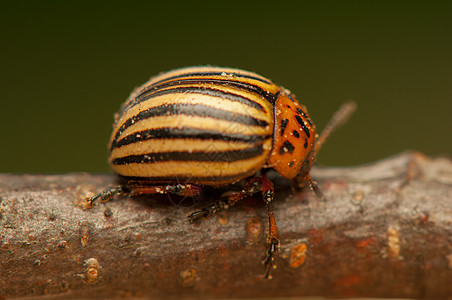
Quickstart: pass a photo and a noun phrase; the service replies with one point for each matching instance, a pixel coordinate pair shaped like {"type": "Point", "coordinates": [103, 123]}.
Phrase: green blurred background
{"type": "Point", "coordinates": [68, 65]}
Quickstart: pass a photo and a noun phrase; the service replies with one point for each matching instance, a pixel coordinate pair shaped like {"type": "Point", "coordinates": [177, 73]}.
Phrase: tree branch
{"type": "Point", "coordinates": [385, 230]}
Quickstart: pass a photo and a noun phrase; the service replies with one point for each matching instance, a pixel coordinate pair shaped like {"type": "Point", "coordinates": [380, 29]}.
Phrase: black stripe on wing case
{"type": "Point", "coordinates": [149, 91]}
{"type": "Point", "coordinates": [187, 133]}
{"type": "Point", "coordinates": [194, 90]}
{"type": "Point", "coordinates": [187, 109]}
{"type": "Point", "coordinates": [213, 73]}
{"type": "Point", "coordinates": [223, 156]}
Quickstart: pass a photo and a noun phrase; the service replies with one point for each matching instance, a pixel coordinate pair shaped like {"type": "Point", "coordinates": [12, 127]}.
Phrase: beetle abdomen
{"type": "Point", "coordinates": [199, 125]}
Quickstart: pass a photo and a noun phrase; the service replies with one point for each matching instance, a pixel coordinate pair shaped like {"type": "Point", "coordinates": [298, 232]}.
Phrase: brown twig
{"type": "Point", "coordinates": [385, 230]}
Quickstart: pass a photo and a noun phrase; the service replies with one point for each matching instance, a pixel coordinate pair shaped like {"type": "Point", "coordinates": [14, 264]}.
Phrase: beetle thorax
{"type": "Point", "coordinates": [294, 137]}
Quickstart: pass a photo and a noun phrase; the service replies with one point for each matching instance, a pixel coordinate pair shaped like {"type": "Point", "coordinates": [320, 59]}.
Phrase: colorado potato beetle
{"type": "Point", "coordinates": [212, 126]}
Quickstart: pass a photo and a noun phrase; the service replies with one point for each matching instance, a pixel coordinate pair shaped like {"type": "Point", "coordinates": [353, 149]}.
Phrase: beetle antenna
{"type": "Point", "coordinates": [339, 118]}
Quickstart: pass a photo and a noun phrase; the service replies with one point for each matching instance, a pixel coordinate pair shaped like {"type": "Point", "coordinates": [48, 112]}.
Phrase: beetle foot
{"type": "Point", "coordinates": [206, 212]}
{"type": "Point", "coordinates": [107, 195]}
{"type": "Point", "coordinates": [269, 261]}
{"type": "Point", "coordinates": [313, 186]}
{"type": "Point", "coordinates": [198, 215]}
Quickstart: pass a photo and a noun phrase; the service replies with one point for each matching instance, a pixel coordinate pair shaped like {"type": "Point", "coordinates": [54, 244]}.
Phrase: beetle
{"type": "Point", "coordinates": [212, 126]}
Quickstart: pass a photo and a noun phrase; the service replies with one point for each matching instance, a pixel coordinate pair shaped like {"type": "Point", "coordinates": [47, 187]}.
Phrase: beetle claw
{"type": "Point", "coordinates": [207, 211]}
{"type": "Point", "coordinates": [197, 215]}
{"type": "Point", "coordinates": [269, 261]}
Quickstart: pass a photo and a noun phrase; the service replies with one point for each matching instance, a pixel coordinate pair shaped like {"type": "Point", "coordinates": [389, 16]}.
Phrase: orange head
{"type": "Point", "coordinates": [294, 138]}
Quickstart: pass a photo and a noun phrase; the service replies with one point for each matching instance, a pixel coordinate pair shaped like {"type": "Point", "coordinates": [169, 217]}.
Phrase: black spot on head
{"type": "Point", "coordinates": [286, 147]}
{"type": "Point", "coordinates": [291, 164]}
{"type": "Point", "coordinates": [291, 98]}
{"type": "Point", "coordinates": [303, 125]}
{"type": "Point", "coordinates": [304, 115]}
{"type": "Point", "coordinates": [296, 134]}
{"type": "Point", "coordinates": [284, 123]}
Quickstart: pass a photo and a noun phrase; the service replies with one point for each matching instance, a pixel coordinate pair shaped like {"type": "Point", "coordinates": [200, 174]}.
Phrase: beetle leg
{"type": "Point", "coordinates": [207, 211]}
{"type": "Point", "coordinates": [272, 234]}
{"type": "Point", "coordinates": [299, 183]}
{"type": "Point", "coordinates": [228, 199]}
{"type": "Point", "coordinates": [187, 190]}
{"type": "Point", "coordinates": [254, 185]}
{"type": "Point", "coordinates": [314, 187]}
{"type": "Point", "coordinates": [107, 195]}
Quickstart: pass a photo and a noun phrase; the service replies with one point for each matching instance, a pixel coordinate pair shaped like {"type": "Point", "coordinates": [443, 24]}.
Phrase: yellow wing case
{"type": "Point", "coordinates": [200, 125]}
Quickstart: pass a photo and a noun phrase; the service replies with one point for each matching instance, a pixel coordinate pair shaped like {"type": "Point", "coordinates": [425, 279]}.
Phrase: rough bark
{"type": "Point", "coordinates": [385, 230]}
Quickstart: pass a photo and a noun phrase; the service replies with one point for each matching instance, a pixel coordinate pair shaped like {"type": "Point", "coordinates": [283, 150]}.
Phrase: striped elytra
{"type": "Point", "coordinates": [210, 126]}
